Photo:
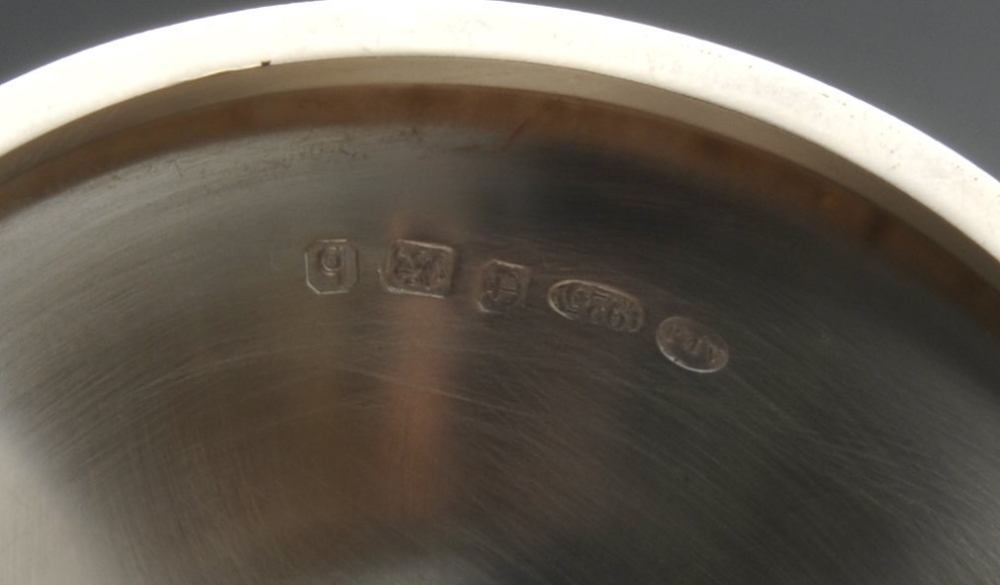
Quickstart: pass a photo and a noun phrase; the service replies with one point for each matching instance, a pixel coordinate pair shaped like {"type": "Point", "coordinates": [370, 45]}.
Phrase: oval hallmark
{"type": "Point", "coordinates": [692, 345]}
{"type": "Point", "coordinates": [597, 304]}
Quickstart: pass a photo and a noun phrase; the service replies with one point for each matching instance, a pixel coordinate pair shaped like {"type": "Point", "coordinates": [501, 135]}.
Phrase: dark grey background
{"type": "Point", "coordinates": [933, 63]}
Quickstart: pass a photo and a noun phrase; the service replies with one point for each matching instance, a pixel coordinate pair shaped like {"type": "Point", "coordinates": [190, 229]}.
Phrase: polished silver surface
{"type": "Point", "coordinates": [179, 406]}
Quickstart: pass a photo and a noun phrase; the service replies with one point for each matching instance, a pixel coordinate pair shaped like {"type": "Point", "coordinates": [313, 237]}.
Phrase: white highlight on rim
{"type": "Point", "coordinates": [949, 186]}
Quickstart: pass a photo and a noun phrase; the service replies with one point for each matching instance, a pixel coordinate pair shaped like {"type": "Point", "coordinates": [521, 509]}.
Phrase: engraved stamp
{"type": "Point", "coordinates": [597, 304]}
{"type": "Point", "coordinates": [331, 266]}
{"type": "Point", "coordinates": [502, 286]}
{"type": "Point", "coordinates": [692, 345]}
{"type": "Point", "coordinates": [417, 268]}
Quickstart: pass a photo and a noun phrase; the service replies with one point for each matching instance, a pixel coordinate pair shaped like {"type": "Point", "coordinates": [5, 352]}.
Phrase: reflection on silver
{"type": "Point", "coordinates": [176, 408]}
{"type": "Point", "coordinates": [692, 345]}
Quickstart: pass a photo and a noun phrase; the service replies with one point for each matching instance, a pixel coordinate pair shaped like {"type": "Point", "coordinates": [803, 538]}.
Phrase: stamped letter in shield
{"type": "Point", "coordinates": [331, 266]}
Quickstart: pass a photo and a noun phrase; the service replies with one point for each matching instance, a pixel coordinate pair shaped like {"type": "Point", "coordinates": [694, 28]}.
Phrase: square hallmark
{"type": "Point", "coordinates": [418, 268]}
{"type": "Point", "coordinates": [502, 286]}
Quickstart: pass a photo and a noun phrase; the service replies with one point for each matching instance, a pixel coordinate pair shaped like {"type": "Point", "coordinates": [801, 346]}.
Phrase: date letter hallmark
{"type": "Point", "coordinates": [331, 266]}
{"type": "Point", "coordinates": [416, 268]}
{"type": "Point", "coordinates": [691, 345]}
{"type": "Point", "coordinates": [503, 286]}
{"type": "Point", "coordinates": [597, 304]}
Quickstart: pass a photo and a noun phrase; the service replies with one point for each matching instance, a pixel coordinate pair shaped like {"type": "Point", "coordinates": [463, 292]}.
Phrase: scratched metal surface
{"type": "Point", "coordinates": [491, 388]}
